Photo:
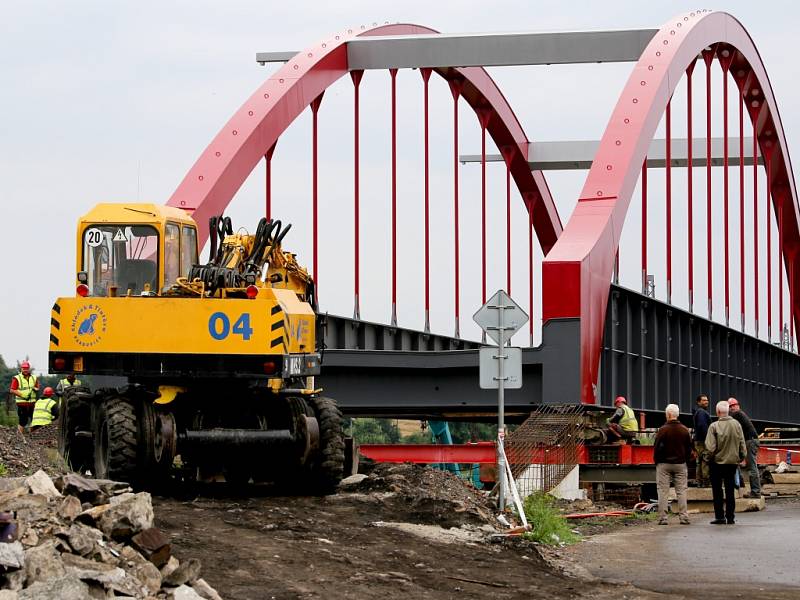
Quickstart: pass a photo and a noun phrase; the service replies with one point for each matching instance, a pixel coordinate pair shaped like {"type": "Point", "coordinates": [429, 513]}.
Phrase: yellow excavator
{"type": "Point", "coordinates": [220, 358]}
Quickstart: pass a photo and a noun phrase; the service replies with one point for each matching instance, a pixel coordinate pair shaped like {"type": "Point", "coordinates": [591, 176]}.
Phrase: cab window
{"type": "Point", "coordinates": [121, 256]}
{"type": "Point", "coordinates": [172, 254]}
{"type": "Point", "coordinates": [188, 249]}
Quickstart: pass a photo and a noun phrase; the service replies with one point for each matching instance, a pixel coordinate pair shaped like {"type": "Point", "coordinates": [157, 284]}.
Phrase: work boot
{"type": "Point", "coordinates": [663, 521]}
{"type": "Point", "coordinates": [718, 522]}
{"type": "Point", "coordinates": [685, 522]}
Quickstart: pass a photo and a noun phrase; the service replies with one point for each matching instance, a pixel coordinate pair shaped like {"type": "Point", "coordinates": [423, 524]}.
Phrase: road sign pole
{"type": "Point", "coordinates": [495, 372]}
{"type": "Point", "coordinates": [501, 428]}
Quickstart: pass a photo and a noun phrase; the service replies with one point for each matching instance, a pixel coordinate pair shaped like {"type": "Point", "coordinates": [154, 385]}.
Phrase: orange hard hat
{"type": "Point", "coordinates": [620, 400]}
{"type": "Point", "coordinates": [48, 391]}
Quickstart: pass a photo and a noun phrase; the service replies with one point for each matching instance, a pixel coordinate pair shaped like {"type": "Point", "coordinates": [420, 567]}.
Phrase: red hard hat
{"type": "Point", "coordinates": [620, 400]}
{"type": "Point", "coordinates": [48, 391]}
{"type": "Point", "coordinates": [25, 365]}
{"type": "Point", "coordinates": [733, 402]}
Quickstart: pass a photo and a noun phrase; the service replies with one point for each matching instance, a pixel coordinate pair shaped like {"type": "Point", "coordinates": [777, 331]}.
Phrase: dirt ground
{"type": "Point", "coordinates": [386, 538]}
{"type": "Point", "coordinates": [24, 454]}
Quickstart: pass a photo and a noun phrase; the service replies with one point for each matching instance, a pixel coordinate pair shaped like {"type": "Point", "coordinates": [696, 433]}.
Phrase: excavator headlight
{"type": "Point", "coordinates": [83, 277]}
{"type": "Point", "coordinates": [250, 279]}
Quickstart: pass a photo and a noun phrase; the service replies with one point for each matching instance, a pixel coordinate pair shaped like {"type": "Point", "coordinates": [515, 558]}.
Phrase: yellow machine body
{"type": "Point", "coordinates": [138, 305]}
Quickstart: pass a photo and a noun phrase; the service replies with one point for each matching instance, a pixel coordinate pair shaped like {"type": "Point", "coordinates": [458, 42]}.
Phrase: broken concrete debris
{"type": "Point", "coordinates": [74, 537]}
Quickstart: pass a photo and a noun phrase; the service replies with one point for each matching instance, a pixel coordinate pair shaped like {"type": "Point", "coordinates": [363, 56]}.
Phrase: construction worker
{"type": "Point", "coordinates": [65, 383]}
{"type": "Point", "coordinates": [752, 443]}
{"type": "Point", "coordinates": [45, 411]}
{"type": "Point", "coordinates": [24, 386]}
{"type": "Point", "coordinates": [623, 424]}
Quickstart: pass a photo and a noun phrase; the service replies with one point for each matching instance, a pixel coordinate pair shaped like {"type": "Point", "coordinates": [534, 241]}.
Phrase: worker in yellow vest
{"type": "Point", "coordinates": [622, 426]}
{"type": "Point", "coordinates": [45, 411]}
{"type": "Point", "coordinates": [65, 383]}
{"type": "Point", "coordinates": [24, 386]}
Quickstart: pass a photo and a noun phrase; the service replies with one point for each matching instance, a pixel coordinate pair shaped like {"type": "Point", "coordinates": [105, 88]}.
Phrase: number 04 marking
{"type": "Point", "coordinates": [219, 326]}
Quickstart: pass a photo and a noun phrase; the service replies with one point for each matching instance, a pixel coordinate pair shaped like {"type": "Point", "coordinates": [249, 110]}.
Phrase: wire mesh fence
{"type": "Point", "coordinates": [544, 449]}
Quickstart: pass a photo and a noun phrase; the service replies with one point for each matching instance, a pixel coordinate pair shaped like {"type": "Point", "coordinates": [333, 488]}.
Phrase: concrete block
{"type": "Point", "coordinates": [742, 505]}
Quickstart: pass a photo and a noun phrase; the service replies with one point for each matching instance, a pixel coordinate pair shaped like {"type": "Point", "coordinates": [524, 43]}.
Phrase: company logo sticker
{"type": "Point", "coordinates": [88, 325]}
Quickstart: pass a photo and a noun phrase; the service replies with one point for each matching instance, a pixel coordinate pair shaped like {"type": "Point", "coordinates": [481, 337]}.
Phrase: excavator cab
{"type": "Point", "coordinates": [133, 249]}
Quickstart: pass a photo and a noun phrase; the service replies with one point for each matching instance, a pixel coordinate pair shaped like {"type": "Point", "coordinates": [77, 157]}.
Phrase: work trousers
{"type": "Point", "coordinates": [723, 475]}
{"type": "Point", "coordinates": [752, 466]}
{"type": "Point", "coordinates": [701, 473]}
{"type": "Point", "coordinates": [668, 474]}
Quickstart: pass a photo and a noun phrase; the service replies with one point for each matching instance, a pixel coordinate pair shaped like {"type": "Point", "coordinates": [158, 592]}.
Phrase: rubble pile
{"type": "Point", "coordinates": [75, 538]}
{"type": "Point", "coordinates": [23, 454]}
{"type": "Point", "coordinates": [421, 494]}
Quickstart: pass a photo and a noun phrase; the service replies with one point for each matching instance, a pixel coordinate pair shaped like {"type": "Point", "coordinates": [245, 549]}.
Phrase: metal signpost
{"type": "Point", "coordinates": [501, 318]}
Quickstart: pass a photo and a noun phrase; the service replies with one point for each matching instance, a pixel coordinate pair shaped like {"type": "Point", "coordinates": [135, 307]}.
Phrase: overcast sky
{"type": "Point", "coordinates": [114, 101]}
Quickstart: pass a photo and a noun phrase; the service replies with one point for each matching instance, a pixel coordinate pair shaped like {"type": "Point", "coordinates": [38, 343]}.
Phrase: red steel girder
{"type": "Point", "coordinates": [225, 164]}
{"type": "Point", "coordinates": [577, 272]}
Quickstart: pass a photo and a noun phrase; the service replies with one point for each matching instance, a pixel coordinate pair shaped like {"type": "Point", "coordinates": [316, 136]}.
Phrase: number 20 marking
{"type": "Point", "coordinates": [219, 326]}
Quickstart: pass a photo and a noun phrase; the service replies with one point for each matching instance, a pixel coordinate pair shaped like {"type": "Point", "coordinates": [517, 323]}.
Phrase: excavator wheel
{"type": "Point", "coordinates": [74, 429]}
{"type": "Point", "coordinates": [115, 439]}
{"type": "Point", "coordinates": [327, 466]}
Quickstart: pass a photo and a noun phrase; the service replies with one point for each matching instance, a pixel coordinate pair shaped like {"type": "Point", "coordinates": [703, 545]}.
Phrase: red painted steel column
{"type": "Point", "coordinates": [742, 299]}
{"type": "Point", "coordinates": [483, 118]}
{"type": "Point", "coordinates": [426, 76]}
{"type": "Point", "coordinates": [455, 89]}
{"type": "Point", "coordinates": [708, 57]}
{"type": "Point", "coordinates": [508, 226]}
{"type": "Point", "coordinates": [725, 63]}
{"type": "Point", "coordinates": [779, 257]}
{"type": "Point", "coordinates": [769, 246]}
{"type": "Point", "coordinates": [356, 77]}
{"type": "Point", "coordinates": [644, 226]}
{"type": "Point", "coordinates": [791, 302]}
{"type": "Point", "coordinates": [314, 186]}
{"type": "Point", "coordinates": [689, 184]}
{"type": "Point", "coordinates": [393, 75]}
{"type": "Point", "coordinates": [755, 243]}
{"type": "Point", "coordinates": [268, 182]}
{"type": "Point", "coordinates": [508, 155]}
{"type": "Point", "coordinates": [530, 273]}
{"type": "Point", "coordinates": [669, 200]}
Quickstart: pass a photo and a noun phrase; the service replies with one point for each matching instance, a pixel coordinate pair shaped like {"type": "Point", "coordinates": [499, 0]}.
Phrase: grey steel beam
{"type": "Point", "coordinates": [488, 49]}
{"type": "Point", "coordinates": [579, 154]}
{"type": "Point", "coordinates": [271, 57]}
{"type": "Point", "coordinates": [496, 49]}
{"type": "Point", "coordinates": [617, 474]}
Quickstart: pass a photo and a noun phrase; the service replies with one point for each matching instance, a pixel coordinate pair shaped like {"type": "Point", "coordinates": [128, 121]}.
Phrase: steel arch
{"type": "Point", "coordinates": [222, 168]}
{"type": "Point", "coordinates": [576, 275]}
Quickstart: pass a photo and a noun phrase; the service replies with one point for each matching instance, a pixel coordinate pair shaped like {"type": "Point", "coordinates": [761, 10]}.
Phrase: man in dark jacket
{"type": "Point", "coordinates": [672, 448]}
{"type": "Point", "coordinates": [752, 443]}
{"type": "Point", "coordinates": [701, 422]}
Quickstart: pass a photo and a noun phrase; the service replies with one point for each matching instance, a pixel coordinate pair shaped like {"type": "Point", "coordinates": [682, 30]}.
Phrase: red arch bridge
{"type": "Point", "coordinates": [693, 150]}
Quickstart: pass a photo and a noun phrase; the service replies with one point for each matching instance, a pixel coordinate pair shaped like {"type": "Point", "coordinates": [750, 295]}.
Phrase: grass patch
{"type": "Point", "coordinates": [549, 527]}
{"type": "Point", "coordinates": [3, 470]}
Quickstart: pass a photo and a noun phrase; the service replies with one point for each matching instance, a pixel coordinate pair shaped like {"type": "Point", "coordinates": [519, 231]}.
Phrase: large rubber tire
{"type": "Point", "coordinates": [116, 439]}
{"type": "Point", "coordinates": [75, 415]}
{"type": "Point", "coordinates": [327, 467]}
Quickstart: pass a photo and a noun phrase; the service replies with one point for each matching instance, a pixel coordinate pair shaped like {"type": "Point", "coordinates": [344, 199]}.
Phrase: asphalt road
{"type": "Point", "coordinates": [757, 557]}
